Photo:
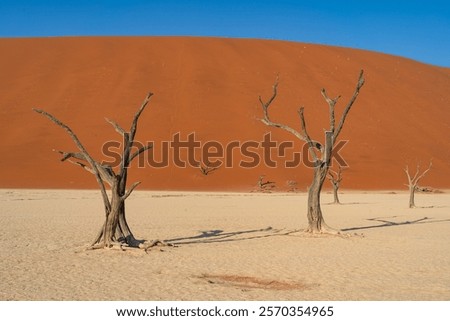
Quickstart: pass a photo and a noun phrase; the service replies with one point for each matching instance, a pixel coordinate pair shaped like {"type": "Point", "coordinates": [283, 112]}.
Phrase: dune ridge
{"type": "Point", "coordinates": [210, 87]}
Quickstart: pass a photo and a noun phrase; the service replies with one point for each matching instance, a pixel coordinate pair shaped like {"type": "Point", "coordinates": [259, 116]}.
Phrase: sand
{"type": "Point", "coordinates": [229, 247]}
{"type": "Point", "coordinates": [210, 87]}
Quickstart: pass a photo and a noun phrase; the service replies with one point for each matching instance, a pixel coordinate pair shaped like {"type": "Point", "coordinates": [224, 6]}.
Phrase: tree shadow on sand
{"type": "Point", "coordinates": [218, 236]}
{"type": "Point", "coordinates": [387, 223]}
{"type": "Point", "coordinates": [430, 206]}
{"type": "Point", "coordinates": [347, 203]}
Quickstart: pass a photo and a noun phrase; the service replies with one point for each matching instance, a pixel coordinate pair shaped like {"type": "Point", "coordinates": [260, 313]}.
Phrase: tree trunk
{"type": "Point", "coordinates": [335, 193]}
{"type": "Point", "coordinates": [412, 189]}
{"type": "Point", "coordinates": [112, 217]}
{"type": "Point", "coordinates": [124, 231]}
{"type": "Point", "coordinates": [115, 228]}
{"type": "Point", "coordinates": [316, 223]}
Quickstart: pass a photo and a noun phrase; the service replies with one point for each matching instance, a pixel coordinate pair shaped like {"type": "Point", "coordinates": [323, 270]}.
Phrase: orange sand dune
{"type": "Point", "coordinates": [210, 87]}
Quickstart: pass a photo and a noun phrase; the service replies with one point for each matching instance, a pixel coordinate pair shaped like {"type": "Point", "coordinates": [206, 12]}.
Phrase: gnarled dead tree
{"type": "Point", "coordinates": [321, 154]}
{"type": "Point", "coordinates": [413, 181]}
{"type": "Point", "coordinates": [115, 229]}
{"type": "Point", "coordinates": [335, 179]}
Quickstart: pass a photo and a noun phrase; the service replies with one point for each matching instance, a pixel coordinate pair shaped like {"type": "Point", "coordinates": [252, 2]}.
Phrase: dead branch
{"type": "Point", "coordinates": [417, 176]}
{"type": "Point", "coordinates": [360, 83]}
{"type": "Point", "coordinates": [128, 140]}
{"type": "Point", "coordinates": [311, 144]}
{"type": "Point", "coordinates": [331, 103]}
{"type": "Point", "coordinates": [67, 155]}
{"type": "Point", "coordinates": [116, 126]}
{"type": "Point", "coordinates": [266, 120]}
{"type": "Point", "coordinates": [106, 172]}
{"type": "Point", "coordinates": [140, 151]}
{"type": "Point", "coordinates": [130, 190]}
{"type": "Point", "coordinates": [85, 154]}
{"type": "Point", "coordinates": [335, 177]}
{"type": "Point", "coordinates": [137, 115]}
{"type": "Point", "coordinates": [207, 169]}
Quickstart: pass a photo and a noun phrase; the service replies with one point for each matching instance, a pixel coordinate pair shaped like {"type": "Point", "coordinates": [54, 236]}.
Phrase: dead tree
{"type": "Point", "coordinates": [115, 229]}
{"type": "Point", "coordinates": [413, 181]}
{"type": "Point", "coordinates": [321, 154]}
{"type": "Point", "coordinates": [207, 169]}
{"type": "Point", "coordinates": [292, 186]}
{"type": "Point", "coordinates": [265, 186]}
{"type": "Point", "coordinates": [335, 180]}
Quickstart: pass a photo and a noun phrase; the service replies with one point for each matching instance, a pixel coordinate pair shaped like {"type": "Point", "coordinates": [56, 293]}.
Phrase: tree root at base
{"type": "Point", "coordinates": [123, 246]}
{"type": "Point", "coordinates": [147, 245]}
{"type": "Point", "coordinates": [328, 231]}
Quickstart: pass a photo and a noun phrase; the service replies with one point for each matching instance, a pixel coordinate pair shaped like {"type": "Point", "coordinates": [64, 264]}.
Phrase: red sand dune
{"type": "Point", "coordinates": [211, 87]}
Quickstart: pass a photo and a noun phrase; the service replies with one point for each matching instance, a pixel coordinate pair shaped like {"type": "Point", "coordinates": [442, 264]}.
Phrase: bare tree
{"type": "Point", "coordinates": [265, 186]}
{"type": "Point", "coordinates": [115, 229]}
{"type": "Point", "coordinates": [322, 160]}
{"type": "Point", "coordinates": [292, 186]}
{"type": "Point", "coordinates": [335, 180]}
{"type": "Point", "coordinates": [413, 181]}
{"type": "Point", "coordinates": [207, 169]}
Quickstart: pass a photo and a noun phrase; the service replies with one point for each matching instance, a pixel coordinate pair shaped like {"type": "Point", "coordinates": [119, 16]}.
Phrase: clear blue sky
{"type": "Point", "coordinates": [416, 29]}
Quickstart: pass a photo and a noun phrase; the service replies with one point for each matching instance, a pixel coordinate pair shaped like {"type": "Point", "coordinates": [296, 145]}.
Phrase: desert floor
{"type": "Point", "coordinates": [229, 247]}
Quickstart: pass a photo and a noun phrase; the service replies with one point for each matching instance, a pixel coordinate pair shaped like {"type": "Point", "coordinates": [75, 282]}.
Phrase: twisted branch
{"type": "Point", "coordinates": [84, 155]}
{"type": "Point", "coordinates": [266, 120]}
{"type": "Point", "coordinates": [116, 126]}
{"type": "Point", "coordinates": [140, 151]}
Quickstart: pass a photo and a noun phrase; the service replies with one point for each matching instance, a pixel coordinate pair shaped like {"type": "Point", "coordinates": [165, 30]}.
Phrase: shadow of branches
{"type": "Point", "coordinates": [387, 223]}
{"type": "Point", "coordinates": [217, 236]}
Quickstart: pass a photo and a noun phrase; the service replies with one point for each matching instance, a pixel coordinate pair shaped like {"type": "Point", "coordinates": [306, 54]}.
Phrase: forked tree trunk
{"type": "Point", "coordinates": [122, 232]}
{"type": "Point", "coordinates": [115, 228]}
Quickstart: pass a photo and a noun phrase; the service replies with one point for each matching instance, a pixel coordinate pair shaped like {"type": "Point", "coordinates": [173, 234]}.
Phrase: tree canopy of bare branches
{"type": "Point", "coordinates": [414, 180]}
{"type": "Point", "coordinates": [321, 154]}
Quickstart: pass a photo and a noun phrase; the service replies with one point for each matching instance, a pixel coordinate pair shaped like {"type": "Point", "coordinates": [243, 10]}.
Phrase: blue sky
{"type": "Point", "coordinates": [416, 29]}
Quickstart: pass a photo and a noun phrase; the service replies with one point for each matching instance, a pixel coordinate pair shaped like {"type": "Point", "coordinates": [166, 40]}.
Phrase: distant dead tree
{"type": "Point", "coordinates": [413, 181]}
{"type": "Point", "coordinates": [335, 179]}
{"type": "Point", "coordinates": [207, 169]}
{"type": "Point", "coordinates": [316, 223]}
{"type": "Point", "coordinates": [115, 230]}
{"type": "Point", "coordinates": [292, 186]}
{"type": "Point", "coordinates": [265, 186]}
